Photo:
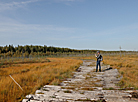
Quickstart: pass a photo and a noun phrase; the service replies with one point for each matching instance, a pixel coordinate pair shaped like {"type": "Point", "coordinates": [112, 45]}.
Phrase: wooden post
{"type": "Point", "coordinates": [16, 82]}
{"type": "Point", "coordinates": [120, 52]}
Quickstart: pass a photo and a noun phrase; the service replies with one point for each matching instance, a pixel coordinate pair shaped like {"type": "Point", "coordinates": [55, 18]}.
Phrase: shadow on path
{"type": "Point", "coordinates": [107, 69]}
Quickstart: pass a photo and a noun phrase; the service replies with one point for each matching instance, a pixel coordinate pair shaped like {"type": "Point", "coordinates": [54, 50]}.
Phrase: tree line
{"type": "Point", "coordinates": [33, 50]}
{"type": "Point", "coordinates": [10, 50]}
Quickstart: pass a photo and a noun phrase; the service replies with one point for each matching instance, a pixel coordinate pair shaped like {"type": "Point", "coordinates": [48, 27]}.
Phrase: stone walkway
{"type": "Point", "coordinates": [85, 86]}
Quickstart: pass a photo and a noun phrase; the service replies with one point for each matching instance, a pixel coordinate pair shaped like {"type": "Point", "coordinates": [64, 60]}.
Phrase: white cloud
{"type": "Point", "coordinates": [13, 28]}
{"type": "Point", "coordinates": [20, 4]}
{"type": "Point", "coordinates": [15, 4]}
{"type": "Point", "coordinates": [10, 30]}
{"type": "Point", "coordinates": [67, 2]}
{"type": "Point", "coordinates": [33, 33]}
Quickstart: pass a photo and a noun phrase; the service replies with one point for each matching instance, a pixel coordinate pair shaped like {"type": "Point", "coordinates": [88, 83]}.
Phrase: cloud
{"type": "Point", "coordinates": [34, 34]}
{"type": "Point", "coordinates": [67, 2]}
{"type": "Point", "coordinates": [10, 30]}
{"type": "Point", "coordinates": [20, 4]}
{"type": "Point", "coordinates": [15, 5]}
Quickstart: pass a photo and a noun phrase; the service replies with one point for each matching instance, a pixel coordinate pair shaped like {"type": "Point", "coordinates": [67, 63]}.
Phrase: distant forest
{"type": "Point", "coordinates": [27, 50]}
{"type": "Point", "coordinates": [10, 50]}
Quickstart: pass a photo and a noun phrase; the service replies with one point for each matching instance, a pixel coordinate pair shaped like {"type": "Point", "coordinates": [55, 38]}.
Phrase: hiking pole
{"type": "Point", "coordinates": [16, 82]}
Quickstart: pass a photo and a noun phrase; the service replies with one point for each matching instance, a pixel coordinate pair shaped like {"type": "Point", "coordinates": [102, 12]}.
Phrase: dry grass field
{"type": "Point", "coordinates": [127, 66]}
{"type": "Point", "coordinates": [32, 75]}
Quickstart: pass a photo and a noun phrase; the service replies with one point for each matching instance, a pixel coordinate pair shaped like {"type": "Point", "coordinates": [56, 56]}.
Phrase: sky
{"type": "Point", "coordinates": [76, 24]}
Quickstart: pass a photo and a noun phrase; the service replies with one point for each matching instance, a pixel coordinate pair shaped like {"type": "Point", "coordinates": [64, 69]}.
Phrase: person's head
{"type": "Point", "coordinates": [98, 52]}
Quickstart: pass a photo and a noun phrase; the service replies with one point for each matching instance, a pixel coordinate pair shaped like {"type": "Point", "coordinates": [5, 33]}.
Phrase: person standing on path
{"type": "Point", "coordinates": [99, 59]}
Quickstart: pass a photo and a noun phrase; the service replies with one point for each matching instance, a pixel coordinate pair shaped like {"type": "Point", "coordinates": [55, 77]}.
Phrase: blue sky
{"type": "Point", "coordinates": [79, 24]}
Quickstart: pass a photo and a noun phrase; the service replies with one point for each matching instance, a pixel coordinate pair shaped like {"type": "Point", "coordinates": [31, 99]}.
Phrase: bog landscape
{"type": "Point", "coordinates": [52, 74]}
{"type": "Point", "coordinates": [69, 51]}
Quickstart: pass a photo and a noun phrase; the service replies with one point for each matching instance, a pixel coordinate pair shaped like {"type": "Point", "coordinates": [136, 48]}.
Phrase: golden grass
{"type": "Point", "coordinates": [32, 76]}
{"type": "Point", "coordinates": [128, 68]}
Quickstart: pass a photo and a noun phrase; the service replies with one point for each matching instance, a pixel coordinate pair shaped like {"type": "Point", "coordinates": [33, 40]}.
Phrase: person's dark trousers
{"type": "Point", "coordinates": [98, 64]}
